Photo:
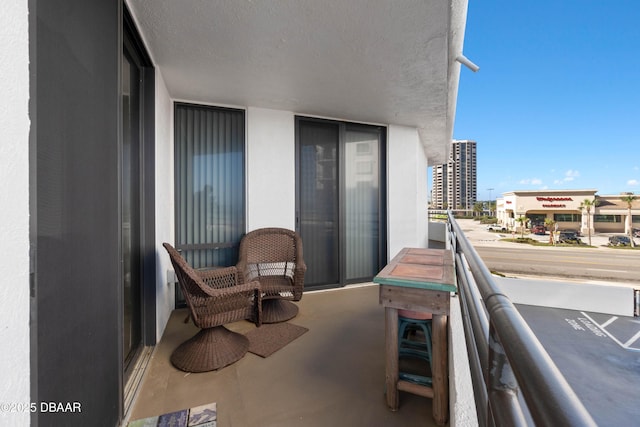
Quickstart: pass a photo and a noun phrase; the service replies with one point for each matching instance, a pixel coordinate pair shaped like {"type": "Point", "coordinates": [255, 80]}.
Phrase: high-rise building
{"type": "Point", "coordinates": [439, 187]}
{"type": "Point", "coordinates": [454, 183]}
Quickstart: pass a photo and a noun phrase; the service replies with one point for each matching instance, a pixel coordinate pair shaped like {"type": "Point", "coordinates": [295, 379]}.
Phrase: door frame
{"type": "Point", "coordinates": [133, 42]}
{"type": "Point", "coordinates": [341, 169]}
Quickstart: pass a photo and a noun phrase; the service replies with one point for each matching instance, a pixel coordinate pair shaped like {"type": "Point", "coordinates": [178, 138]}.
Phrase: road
{"type": "Point", "coordinates": [584, 263]}
{"type": "Point", "coordinates": [599, 263]}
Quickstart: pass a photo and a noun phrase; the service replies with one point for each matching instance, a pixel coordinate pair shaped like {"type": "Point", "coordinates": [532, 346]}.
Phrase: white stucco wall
{"type": "Point", "coordinates": [165, 229]}
{"type": "Point", "coordinates": [596, 297]}
{"type": "Point", "coordinates": [270, 168]}
{"type": "Point", "coordinates": [14, 215]}
{"type": "Point", "coordinates": [462, 405]}
{"type": "Point", "coordinates": [407, 190]}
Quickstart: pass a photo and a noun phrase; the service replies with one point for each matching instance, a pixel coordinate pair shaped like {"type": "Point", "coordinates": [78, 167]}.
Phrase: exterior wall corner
{"type": "Point", "coordinates": [15, 214]}
{"type": "Point", "coordinates": [407, 190]}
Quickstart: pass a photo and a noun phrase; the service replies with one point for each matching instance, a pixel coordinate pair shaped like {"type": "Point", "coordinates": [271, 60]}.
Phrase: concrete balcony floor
{"type": "Point", "coordinates": [333, 375]}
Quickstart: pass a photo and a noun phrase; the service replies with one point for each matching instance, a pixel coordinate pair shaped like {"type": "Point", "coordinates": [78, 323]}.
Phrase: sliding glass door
{"type": "Point", "coordinates": [341, 200]}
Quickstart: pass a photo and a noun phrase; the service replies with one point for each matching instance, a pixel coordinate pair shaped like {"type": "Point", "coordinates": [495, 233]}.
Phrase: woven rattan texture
{"type": "Point", "coordinates": [274, 257]}
{"type": "Point", "coordinates": [214, 297]}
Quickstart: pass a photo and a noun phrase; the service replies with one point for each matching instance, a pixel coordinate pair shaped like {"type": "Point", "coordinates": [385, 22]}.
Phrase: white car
{"type": "Point", "coordinates": [496, 227]}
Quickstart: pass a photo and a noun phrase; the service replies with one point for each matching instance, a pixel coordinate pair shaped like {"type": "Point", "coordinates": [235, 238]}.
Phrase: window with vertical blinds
{"type": "Point", "coordinates": [209, 183]}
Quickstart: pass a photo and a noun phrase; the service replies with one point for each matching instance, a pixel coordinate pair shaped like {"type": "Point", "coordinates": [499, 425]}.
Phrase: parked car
{"type": "Point", "coordinates": [635, 232]}
{"type": "Point", "coordinates": [577, 232]}
{"type": "Point", "coordinates": [569, 236]}
{"type": "Point", "coordinates": [496, 227]}
{"type": "Point", "coordinates": [539, 230]}
{"type": "Point", "coordinates": [619, 240]}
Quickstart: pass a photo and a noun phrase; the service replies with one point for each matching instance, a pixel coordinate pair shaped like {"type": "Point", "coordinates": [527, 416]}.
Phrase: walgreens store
{"type": "Point", "coordinates": [610, 214]}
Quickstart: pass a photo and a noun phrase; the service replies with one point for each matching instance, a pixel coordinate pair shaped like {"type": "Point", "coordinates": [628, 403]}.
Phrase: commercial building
{"type": "Point", "coordinates": [454, 182]}
{"type": "Point", "coordinates": [609, 213]}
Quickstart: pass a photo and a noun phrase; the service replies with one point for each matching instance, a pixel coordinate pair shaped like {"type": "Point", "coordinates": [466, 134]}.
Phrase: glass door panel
{"type": "Point", "coordinates": [361, 204]}
{"type": "Point", "coordinates": [130, 214]}
{"type": "Point", "coordinates": [318, 198]}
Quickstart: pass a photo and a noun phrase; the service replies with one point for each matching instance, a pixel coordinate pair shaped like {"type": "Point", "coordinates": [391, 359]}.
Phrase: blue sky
{"type": "Point", "coordinates": [556, 103]}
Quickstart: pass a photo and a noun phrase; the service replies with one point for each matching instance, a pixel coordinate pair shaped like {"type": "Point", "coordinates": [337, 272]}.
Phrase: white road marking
{"type": "Point", "coordinates": [633, 339]}
{"type": "Point", "coordinates": [626, 346]}
{"type": "Point", "coordinates": [606, 269]}
{"type": "Point", "coordinates": [610, 321]}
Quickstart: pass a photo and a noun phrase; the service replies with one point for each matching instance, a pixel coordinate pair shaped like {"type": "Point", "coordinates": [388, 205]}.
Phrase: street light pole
{"type": "Point", "coordinates": [490, 199]}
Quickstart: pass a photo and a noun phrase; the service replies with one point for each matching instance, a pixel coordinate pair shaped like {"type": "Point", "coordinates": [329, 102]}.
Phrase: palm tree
{"type": "Point", "coordinates": [628, 199]}
{"type": "Point", "coordinates": [587, 205]}
{"type": "Point", "coordinates": [523, 223]}
{"type": "Point", "coordinates": [478, 207]}
{"type": "Point", "coordinates": [550, 224]}
{"type": "Point", "coordinates": [491, 205]}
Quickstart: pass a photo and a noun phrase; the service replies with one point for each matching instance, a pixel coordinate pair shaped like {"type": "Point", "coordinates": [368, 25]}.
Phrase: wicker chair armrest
{"type": "Point", "coordinates": [219, 277]}
{"type": "Point", "coordinates": [231, 290]}
{"type": "Point", "coordinates": [301, 266]}
{"type": "Point", "coordinates": [246, 274]}
{"type": "Point", "coordinates": [220, 306]}
{"type": "Point", "coordinates": [225, 281]}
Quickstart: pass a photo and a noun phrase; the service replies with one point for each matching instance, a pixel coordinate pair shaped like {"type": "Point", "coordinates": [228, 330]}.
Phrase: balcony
{"type": "Point", "coordinates": [335, 373]}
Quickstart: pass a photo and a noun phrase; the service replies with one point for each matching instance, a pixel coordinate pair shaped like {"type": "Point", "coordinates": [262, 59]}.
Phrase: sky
{"type": "Point", "coordinates": [556, 102]}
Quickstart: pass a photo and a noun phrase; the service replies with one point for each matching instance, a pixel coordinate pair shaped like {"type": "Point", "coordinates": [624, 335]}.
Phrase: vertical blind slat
{"type": "Point", "coordinates": [209, 182]}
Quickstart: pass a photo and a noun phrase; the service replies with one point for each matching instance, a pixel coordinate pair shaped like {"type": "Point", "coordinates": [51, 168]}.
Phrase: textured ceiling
{"type": "Point", "coordinates": [376, 61]}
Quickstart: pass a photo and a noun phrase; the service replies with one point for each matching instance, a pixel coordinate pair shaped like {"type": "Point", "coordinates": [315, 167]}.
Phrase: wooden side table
{"type": "Point", "coordinates": [418, 279]}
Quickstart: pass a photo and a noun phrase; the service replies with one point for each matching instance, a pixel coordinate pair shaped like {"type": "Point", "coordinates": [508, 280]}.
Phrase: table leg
{"type": "Point", "coordinates": [440, 370]}
{"type": "Point", "coordinates": [391, 368]}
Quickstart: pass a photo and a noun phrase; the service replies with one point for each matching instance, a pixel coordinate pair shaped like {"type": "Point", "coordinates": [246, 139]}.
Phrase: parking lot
{"type": "Point", "coordinates": [598, 354]}
{"type": "Point", "coordinates": [477, 233]}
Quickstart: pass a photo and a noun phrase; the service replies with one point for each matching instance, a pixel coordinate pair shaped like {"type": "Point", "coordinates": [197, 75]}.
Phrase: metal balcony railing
{"type": "Point", "coordinates": [514, 379]}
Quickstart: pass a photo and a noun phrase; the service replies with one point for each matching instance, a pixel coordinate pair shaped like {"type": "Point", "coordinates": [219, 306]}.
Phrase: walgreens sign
{"type": "Point", "coordinates": [554, 199]}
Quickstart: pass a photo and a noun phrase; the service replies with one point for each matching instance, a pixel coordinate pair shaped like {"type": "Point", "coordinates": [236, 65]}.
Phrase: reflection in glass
{"type": "Point", "coordinates": [210, 206]}
{"type": "Point", "coordinates": [319, 202]}
{"type": "Point", "coordinates": [130, 214]}
{"type": "Point", "coordinates": [362, 200]}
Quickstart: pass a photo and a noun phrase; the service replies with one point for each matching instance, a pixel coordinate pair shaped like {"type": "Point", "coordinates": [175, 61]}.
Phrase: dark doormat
{"type": "Point", "coordinates": [269, 338]}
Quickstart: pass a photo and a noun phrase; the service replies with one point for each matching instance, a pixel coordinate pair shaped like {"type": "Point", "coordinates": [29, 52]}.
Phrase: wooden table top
{"type": "Point", "coordinates": [421, 268]}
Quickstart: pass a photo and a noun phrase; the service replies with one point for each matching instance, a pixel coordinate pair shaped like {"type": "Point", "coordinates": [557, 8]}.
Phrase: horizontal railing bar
{"type": "Point", "coordinates": [503, 388]}
{"type": "Point", "coordinates": [479, 318]}
{"type": "Point", "coordinates": [204, 246]}
{"type": "Point", "coordinates": [474, 352]}
{"type": "Point", "coordinates": [550, 399]}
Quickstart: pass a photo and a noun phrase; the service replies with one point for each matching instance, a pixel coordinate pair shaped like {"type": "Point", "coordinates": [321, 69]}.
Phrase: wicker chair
{"type": "Point", "coordinates": [214, 297]}
{"type": "Point", "coordinates": [273, 256]}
